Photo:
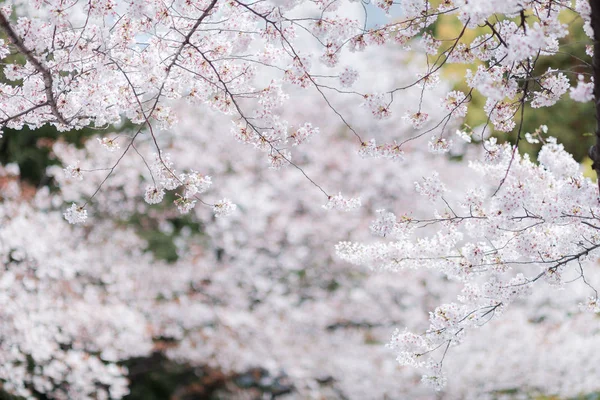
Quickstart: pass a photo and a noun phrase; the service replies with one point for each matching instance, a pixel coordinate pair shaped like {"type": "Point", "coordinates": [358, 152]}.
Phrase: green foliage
{"type": "Point", "coordinates": [162, 244]}
{"type": "Point", "coordinates": [7, 396]}
{"type": "Point", "coordinates": [27, 148]}
{"type": "Point", "coordinates": [572, 123]}
{"type": "Point", "coordinates": [32, 148]}
{"type": "Point", "coordinates": [157, 378]}
{"type": "Point", "coordinates": [569, 121]}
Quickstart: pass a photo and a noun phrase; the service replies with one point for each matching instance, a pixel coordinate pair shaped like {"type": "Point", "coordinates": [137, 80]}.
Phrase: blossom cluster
{"type": "Point", "coordinates": [509, 232]}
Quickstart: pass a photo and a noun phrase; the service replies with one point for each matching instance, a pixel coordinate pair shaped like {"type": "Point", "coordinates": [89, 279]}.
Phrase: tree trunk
{"type": "Point", "coordinates": [594, 152]}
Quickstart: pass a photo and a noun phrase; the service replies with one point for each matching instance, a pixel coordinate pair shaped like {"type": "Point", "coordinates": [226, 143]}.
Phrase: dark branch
{"type": "Point", "coordinates": [47, 76]}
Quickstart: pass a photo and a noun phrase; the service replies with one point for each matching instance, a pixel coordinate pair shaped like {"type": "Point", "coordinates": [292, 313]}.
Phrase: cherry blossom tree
{"type": "Point", "coordinates": [293, 81]}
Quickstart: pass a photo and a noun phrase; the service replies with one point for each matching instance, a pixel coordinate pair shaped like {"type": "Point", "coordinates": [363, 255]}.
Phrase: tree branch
{"type": "Point", "coordinates": [47, 76]}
